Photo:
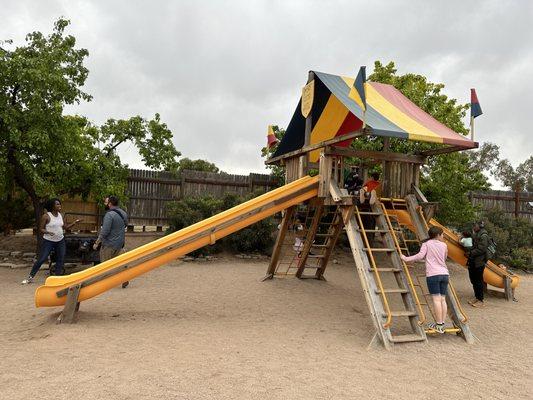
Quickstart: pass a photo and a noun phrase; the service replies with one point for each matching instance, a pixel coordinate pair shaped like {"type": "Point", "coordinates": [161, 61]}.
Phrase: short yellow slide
{"type": "Point", "coordinates": [127, 266]}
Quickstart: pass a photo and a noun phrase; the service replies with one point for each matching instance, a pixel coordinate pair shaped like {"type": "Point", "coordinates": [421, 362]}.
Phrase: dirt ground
{"type": "Point", "coordinates": [212, 330]}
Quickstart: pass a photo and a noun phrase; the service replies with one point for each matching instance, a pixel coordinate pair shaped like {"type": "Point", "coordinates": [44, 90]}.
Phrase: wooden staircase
{"type": "Point", "coordinates": [389, 291]}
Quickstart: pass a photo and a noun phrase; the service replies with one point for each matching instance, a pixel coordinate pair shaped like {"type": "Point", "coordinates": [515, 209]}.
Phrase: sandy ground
{"type": "Point", "coordinates": [212, 330]}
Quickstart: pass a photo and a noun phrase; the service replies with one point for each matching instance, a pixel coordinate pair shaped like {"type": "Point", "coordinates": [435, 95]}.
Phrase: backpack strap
{"type": "Point", "coordinates": [120, 215]}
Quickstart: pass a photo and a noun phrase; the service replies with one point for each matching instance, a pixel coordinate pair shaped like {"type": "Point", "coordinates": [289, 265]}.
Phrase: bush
{"type": "Point", "coordinates": [513, 237]}
{"type": "Point", "coordinates": [257, 237]}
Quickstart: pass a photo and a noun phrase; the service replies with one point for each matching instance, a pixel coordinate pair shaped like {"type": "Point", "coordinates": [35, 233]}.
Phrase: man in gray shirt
{"type": "Point", "coordinates": [113, 233]}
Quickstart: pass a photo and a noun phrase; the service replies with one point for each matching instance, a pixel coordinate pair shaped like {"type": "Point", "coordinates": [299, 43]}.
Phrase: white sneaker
{"type": "Point", "coordinates": [27, 281]}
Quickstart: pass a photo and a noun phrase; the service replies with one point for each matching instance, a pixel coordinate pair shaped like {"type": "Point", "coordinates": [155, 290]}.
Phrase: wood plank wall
{"type": "Point", "coordinates": [505, 201]}
{"type": "Point", "coordinates": [398, 177]}
{"type": "Point", "coordinates": [149, 193]}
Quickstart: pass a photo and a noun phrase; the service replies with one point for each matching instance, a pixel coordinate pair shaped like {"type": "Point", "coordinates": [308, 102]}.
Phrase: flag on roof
{"type": "Point", "coordinates": [475, 108]}
{"type": "Point", "coordinates": [359, 94]}
{"type": "Point", "coordinates": [272, 140]}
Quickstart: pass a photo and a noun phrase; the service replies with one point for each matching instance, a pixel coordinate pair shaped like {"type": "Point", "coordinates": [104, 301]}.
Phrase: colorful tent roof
{"type": "Point", "coordinates": [337, 111]}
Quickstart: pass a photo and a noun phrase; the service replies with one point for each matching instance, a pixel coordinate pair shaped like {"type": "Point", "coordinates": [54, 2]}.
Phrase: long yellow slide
{"type": "Point", "coordinates": [493, 275]}
{"type": "Point", "coordinates": [129, 265]}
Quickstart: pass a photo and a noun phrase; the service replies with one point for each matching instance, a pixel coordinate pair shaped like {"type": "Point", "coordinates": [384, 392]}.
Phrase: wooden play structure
{"type": "Point", "coordinates": [317, 209]}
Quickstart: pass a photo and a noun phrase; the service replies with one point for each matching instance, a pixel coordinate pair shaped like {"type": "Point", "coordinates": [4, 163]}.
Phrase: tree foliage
{"type": "Point", "coordinates": [517, 179]}
{"type": "Point", "coordinates": [197, 165]}
{"type": "Point", "coordinates": [47, 153]}
{"type": "Point", "coordinates": [449, 177]}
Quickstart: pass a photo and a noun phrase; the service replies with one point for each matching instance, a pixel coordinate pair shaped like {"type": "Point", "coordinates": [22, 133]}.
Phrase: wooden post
{"type": "Point", "coordinates": [508, 290]}
{"type": "Point", "coordinates": [71, 305]}
{"type": "Point", "coordinates": [516, 201]}
{"type": "Point", "coordinates": [325, 175]}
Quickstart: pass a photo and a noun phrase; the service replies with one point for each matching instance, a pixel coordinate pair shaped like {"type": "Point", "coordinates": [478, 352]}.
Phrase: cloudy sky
{"type": "Point", "coordinates": [219, 72]}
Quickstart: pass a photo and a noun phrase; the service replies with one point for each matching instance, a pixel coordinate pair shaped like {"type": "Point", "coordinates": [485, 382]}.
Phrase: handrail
{"type": "Point", "coordinates": [454, 294]}
{"type": "Point", "coordinates": [405, 267]}
{"type": "Point", "coordinates": [374, 267]}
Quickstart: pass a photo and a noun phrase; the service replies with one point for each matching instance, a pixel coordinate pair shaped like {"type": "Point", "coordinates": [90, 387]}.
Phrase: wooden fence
{"type": "Point", "coordinates": [149, 193]}
{"type": "Point", "coordinates": [517, 204]}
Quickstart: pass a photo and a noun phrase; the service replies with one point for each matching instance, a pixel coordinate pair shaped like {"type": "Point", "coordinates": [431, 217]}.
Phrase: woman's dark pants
{"type": "Point", "coordinates": [59, 248]}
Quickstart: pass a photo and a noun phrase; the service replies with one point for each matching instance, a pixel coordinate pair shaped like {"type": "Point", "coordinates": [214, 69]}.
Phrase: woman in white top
{"type": "Point", "coordinates": [51, 227]}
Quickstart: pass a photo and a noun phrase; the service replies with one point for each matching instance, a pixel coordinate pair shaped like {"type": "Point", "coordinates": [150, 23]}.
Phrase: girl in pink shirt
{"type": "Point", "coordinates": [435, 251]}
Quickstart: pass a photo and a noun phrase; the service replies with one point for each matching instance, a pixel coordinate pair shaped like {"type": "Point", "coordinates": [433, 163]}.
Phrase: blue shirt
{"type": "Point", "coordinates": [113, 233]}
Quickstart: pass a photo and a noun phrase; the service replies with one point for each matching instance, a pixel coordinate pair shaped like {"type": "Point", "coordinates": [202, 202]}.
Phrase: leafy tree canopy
{"type": "Point", "coordinates": [449, 177]}
{"type": "Point", "coordinates": [197, 165]}
{"type": "Point", "coordinates": [48, 153]}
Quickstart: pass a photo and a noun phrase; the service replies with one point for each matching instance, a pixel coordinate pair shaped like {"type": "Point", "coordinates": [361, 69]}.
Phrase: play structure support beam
{"type": "Point", "coordinates": [316, 146]}
{"type": "Point", "coordinates": [72, 305]}
{"type": "Point", "coordinates": [377, 155]}
{"type": "Point", "coordinates": [448, 149]}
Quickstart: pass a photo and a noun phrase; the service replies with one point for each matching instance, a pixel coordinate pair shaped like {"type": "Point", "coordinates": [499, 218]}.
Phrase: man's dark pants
{"type": "Point", "coordinates": [476, 278]}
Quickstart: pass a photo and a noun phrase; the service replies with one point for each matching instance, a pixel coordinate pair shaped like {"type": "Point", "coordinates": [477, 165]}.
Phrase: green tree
{"type": "Point", "coordinates": [45, 152]}
{"type": "Point", "coordinates": [449, 177]}
{"type": "Point", "coordinates": [517, 179]}
{"type": "Point", "coordinates": [197, 165]}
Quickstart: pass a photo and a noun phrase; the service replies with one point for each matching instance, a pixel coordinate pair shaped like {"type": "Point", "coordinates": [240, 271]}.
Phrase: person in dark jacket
{"type": "Point", "coordinates": [477, 259]}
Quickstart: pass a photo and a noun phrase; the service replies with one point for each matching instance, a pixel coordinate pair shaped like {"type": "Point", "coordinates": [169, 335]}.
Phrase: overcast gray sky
{"type": "Point", "coordinates": [219, 72]}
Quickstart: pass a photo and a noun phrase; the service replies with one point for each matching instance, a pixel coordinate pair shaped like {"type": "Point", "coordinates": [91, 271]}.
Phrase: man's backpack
{"type": "Point", "coordinates": [491, 248]}
{"type": "Point", "coordinates": [123, 220]}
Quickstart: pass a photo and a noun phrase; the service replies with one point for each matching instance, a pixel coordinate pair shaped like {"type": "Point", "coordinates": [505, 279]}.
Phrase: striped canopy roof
{"type": "Point", "coordinates": [337, 111]}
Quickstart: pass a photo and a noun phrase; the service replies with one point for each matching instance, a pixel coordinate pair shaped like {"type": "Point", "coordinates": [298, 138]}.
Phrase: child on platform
{"type": "Point", "coordinates": [435, 252]}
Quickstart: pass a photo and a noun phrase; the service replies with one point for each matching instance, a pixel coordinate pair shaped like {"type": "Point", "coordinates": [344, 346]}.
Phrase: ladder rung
{"type": "Point", "coordinates": [385, 269]}
{"type": "Point", "coordinates": [380, 249]}
{"type": "Point", "coordinates": [446, 330]}
{"type": "Point", "coordinates": [374, 230]}
{"type": "Point", "coordinates": [325, 234]}
{"type": "Point", "coordinates": [392, 291]}
{"type": "Point", "coordinates": [403, 313]}
{"type": "Point", "coordinates": [315, 256]}
{"type": "Point", "coordinates": [369, 213]}
{"type": "Point", "coordinates": [411, 337]}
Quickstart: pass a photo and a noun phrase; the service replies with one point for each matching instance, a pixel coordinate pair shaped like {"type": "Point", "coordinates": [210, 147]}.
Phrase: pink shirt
{"type": "Point", "coordinates": [435, 252]}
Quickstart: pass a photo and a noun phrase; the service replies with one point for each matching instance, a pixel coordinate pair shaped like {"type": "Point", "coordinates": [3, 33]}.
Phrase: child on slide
{"type": "Point", "coordinates": [466, 240]}
{"type": "Point", "coordinates": [435, 252]}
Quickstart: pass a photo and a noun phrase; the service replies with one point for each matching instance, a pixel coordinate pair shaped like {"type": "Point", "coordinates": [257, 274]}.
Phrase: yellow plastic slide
{"type": "Point", "coordinates": [168, 248]}
{"type": "Point", "coordinates": [493, 275]}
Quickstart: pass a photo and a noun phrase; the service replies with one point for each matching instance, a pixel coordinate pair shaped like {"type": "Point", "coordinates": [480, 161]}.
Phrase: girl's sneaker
{"type": "Point", "coordinates": [432, 325]}
{"type": "Point", "coordinates": [27, 281]}
{"type": "Point", "coordinates": [440, 328]}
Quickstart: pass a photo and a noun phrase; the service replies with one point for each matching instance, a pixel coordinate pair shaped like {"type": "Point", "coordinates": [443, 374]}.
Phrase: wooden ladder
{"type": "Point", "coordinates": [379, 298]}
{"type": "Point", "coordinates": [321, 238]}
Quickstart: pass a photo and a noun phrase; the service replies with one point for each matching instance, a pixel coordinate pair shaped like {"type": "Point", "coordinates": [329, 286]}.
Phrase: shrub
{"type": "Point", "coordinates": [513, 237]}
{"type": "Point", "coordinates": [256, 237]}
